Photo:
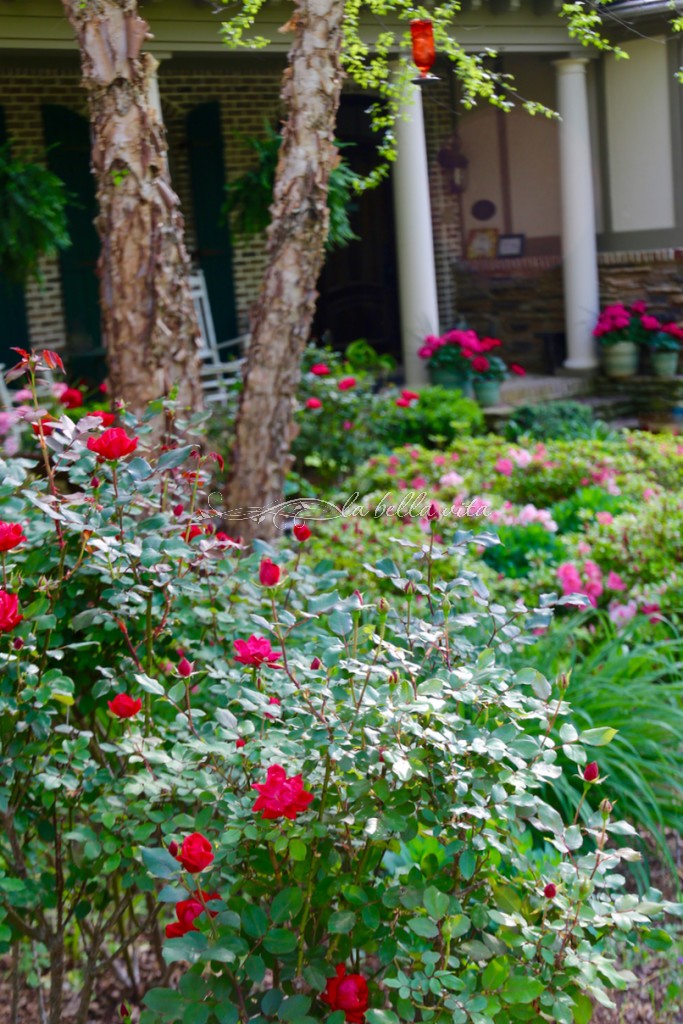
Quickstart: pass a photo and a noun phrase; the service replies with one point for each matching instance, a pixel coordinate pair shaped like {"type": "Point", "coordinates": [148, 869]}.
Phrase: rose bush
{"type": "Point", "coordinates": [349, 814]}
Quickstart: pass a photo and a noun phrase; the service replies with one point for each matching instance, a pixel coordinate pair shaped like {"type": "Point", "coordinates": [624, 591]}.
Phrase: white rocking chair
{"type": "Point", "coordinates": [217, 374]}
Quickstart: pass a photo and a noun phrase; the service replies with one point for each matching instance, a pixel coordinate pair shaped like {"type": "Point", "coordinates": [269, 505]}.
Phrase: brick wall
{"type": "Point", "coordinates": [248, 93]}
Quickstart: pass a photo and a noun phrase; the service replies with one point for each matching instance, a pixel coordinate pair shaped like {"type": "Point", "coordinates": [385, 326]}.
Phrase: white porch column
{"type": "Point", "coordinates": [579, 249]}
{"type": "Point", "coordinates": [415, 245]}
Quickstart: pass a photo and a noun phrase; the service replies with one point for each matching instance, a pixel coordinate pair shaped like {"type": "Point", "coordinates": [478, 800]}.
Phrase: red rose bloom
{"type": "Point", "coordinates": [240, 743]}
{"type": "Point", "coordinates": [280, 797]}
{"type": "Point", "coordinates": [113, 444]}
{"type": "Point", "coordinates": [314, 403]}
{"type": "Point", "coordinates": [187, 912]}
{"type": "Point", "coordinates": [124, 706]}
{"type": "Point", "coordinates": [71, 398]}
{"type": "Point", "coordinates": [519, 370]}
{"type": "Point", "coordinates": [107, 417]}
{"type": "Point", "coordinates": [46, 422]}
{"type": "Point", "coordinates": [256, 651]}
{"type": "Point", "coordinates": [11, 535]}
{"type": "Point", "coordinates": [320, 369]}
{"type": "Point", "coordinates": [480, 364]}
{"type": "Point", "coordinates": [191, 532]}
{"type": "Point", "coordinates": [9, 612]}
{"type": "Point", "coordinates": [347, 992]}
{"type": "Point", "coordinates": [550, 891]}
{"type": "Point", "coordinates": [301, 532]}
{"type": "Point", "coordinates": [196, 853]}
{"type": "Point", "coordinates": [269, 573]}
{"type": "Point", "coordinates": [591, 771]}
{"type": "Point", "coordinates": [402, 403]}
{"type": "Point", "coordinates": [346, 383]}
{"type": "Point", "coordinates": [410, 396]}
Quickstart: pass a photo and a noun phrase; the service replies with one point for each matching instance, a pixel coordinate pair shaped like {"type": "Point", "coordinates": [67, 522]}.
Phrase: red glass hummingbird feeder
{"type": "Point", "coordinates": [424, 51]}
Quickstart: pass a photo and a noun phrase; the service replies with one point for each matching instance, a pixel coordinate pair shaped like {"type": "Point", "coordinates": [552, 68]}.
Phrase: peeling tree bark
{"type": "Point", "coordinates": [149, 324]}
{"type": "Point", "coordinates": [282, 317]}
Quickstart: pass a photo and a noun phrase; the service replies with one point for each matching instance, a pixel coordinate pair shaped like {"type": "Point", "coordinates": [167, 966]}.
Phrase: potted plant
{"type": "Point", "coordinates": [620, 331]}
{"type": "Point", "coordinates": [489, 373]}
{"type": "Point", "coordinates": [664, 346]}
{"type": "Point", "coordinates": [449, 359]}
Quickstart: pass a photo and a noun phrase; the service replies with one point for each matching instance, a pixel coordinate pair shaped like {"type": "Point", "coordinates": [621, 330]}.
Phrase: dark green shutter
{"type": "Point", "coordinates": [67, 135]}
{"type": "Point", "coordinates": [13, 321]}
{"type": "Point", "coordinates": [207, 179]}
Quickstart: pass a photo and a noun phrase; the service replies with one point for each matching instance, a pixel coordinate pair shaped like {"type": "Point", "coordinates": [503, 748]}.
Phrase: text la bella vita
{"type": "Point", "coordinates": [415, 506]}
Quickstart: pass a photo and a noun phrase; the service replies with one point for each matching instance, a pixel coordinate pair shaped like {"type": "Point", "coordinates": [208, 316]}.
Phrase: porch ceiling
{"type": "Point", "coordinates": [193, 26]}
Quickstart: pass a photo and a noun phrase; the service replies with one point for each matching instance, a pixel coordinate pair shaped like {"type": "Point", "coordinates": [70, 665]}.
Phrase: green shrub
{"type": "Point", "coordinates": [554, 421]}
{"type": "Point", "coordinates": [407, 773]}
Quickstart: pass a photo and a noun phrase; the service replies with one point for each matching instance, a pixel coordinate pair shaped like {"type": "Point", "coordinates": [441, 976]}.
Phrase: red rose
{"type": "Point", "coordinates": [256, 651]}
{"type": "Point", "coordinates": [185, 668]}
{"type": "Point", "coordinates": [269, 573]}
{"type": "Point", "coordinates": [519, 370]}
{"type": "Point", "coordinates": [550, 891]}
{"type": "Point", "coordinates": [177, 510]}
{"type": "Point", "coordinates": [272, 700]}
{"type": "Point", "coordinates": [46, 422]}
{"type": "Point", "coordinates": [316, 664]}
{"type": "Point", "coordinates": [402, 403]}
{"type": "Point", "coordinates": [113, 444]}
{"type": "Point", "coordinates": [346, 383]}
{"type": "Point", "coordinates": [591, 772]}
{"type": "Point", "coordinates": [106, 417]}
{"type": "Point", "coordinates": [410, 396]}
{"type": "Point", "coordinates": [347, 992]}
{"type": "Point", "coordinates": [187, 912]}
{"type": "Point", "coordinates": [480, 364]}
{"type": "Point", "coordinates": [124, 706]}
{"type": "Point", "coordinates": [314, 403]}
{"type": "Point", "coordinates": [11, 535]}
{"type": "Point", "coordinates": [320, 369]}
{"type": "Point", "coordinates": [191, 532]}
{"type": "Point", "coordinates": [71, 398]}
{"type": "Point", "coordinates": [240, 743]}
{"type": "Point", "coordinates": [9, 612]}
{"type": "Point", "coordinates": [196, 853]}
{"type": "Point", "coordinates": [280, 797]}
{"type": "Point", "coordinates": [301, 532]}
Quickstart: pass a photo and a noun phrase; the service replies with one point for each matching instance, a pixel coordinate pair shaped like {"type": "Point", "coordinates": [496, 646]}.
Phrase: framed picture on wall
{"type": "Point", "coordinates": [511, 245]}
{"type": "Point", "coordinates": [482, 243]}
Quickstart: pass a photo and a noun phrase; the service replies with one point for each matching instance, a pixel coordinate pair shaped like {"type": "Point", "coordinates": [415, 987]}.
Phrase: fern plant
{"type": "Point", "coordinates": [33, 220]}
{"type": "Point", "coordinates": [249, 196]}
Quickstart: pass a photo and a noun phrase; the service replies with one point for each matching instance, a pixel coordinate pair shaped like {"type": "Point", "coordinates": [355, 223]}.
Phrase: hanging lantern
{"type": "Point", "coordinates": [424, 52]}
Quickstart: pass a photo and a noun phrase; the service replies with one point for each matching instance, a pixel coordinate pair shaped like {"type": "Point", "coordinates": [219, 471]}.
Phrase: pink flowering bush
{"type": "Point", "coordinates": [634, 323]}
{"type": "Point", "coordinates": [310, 799]}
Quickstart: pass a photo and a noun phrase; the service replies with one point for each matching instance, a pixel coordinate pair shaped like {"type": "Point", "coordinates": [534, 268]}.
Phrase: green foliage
{"type": "Point", "coordinates": [555, 421]}
{"type": "Point", "coordinates": [521, 547]}
{"type": "Point", "coordinates": [250, 195]}
{"type": "Point", "coordinates": [435, 766]}
{"type": "Point", "coordinates": [32, 216]}
{"type": "Point", "coordinates": [360, 355]}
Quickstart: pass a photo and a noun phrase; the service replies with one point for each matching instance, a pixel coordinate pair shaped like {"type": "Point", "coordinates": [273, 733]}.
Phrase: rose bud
{"type": "Point", "coordinates": [177, 510]}
{"type": "Point", "coordinates": [301, 532]}
{"type": "Point", "coordinates": [95, 482]}
{"type": "Point", "coordinates": [606, 808]}
{"type": "Point", "coordinates": [269, 573]}
{"type": "Point", "coordinates": [17, 643]}
{"type": "Point", "coordinates": [434, 511]}
{"type": "Point", "coordinates": [316, 664]}
{"type": "Point", "coordinates": [550, 891]}
{"type": "Point", "coordinates": [173, 848]}
{"type": "Point", "coordinates": [383, 606]}
{"type": "Point", "coordinates": [185, 668]}
{"type": "Point", "coordinates": [240, 743]}
{"type": "Point", "coordinates": [591, 772]}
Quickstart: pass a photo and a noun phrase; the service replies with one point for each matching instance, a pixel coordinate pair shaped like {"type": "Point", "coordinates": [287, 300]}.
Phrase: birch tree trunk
{"type": "Point", "coordinates": [282, 317]}
{"type": "Point", "coordinates": [149, 325]}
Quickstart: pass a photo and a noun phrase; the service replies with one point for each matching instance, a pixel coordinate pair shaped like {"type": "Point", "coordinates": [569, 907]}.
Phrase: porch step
{"type": "Point", "coordinates": [536, 388]}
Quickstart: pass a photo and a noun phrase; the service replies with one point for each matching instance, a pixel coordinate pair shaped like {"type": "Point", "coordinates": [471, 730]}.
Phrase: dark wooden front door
{"type": "Point", "coordinates": [67, 136]}
{"type": "Point", "coordinates": [358, 286]}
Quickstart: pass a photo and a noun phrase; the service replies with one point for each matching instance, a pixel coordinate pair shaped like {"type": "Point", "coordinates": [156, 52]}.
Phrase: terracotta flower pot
{"type": "Point", "coordinates": [620, 360]}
